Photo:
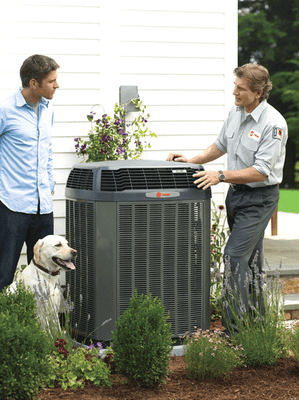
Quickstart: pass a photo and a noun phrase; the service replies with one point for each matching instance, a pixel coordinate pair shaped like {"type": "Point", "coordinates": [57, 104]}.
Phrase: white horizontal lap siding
{"type": "Point", "coordinates": [179, 56]}
{"type": "Point", "coordinates": [67, 31]}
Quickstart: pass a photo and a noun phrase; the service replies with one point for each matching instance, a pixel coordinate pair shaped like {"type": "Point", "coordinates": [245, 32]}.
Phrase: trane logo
{"type": "Point", "coordinates": [161, 195]}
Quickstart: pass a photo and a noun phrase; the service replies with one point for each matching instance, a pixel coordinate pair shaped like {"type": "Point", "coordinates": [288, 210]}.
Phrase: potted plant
{"type": "Point", "coordinates": [114, 139]}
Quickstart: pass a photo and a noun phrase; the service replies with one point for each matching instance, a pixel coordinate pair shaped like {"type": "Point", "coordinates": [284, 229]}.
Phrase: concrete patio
{"type": "Point", "coordinates": [283, 248]}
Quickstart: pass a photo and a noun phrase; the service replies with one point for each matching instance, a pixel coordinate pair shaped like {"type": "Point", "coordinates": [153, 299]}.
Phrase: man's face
{"type": "Point", "coordinates": [48, 86]}
{"type": "Point", "coordinates": [244, 97]}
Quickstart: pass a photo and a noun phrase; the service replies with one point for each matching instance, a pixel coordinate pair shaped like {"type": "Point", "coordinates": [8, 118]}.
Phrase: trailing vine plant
{"type": "Point", "coordinates": [114, 139]}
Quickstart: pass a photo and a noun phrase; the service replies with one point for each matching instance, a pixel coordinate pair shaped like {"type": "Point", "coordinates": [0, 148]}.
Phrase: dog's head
{"type": "Point", "coordinates": [53, 252]}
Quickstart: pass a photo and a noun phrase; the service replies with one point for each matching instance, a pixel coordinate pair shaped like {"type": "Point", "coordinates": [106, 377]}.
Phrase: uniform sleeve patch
{"type": "Point", "coordinates": [277, 133]}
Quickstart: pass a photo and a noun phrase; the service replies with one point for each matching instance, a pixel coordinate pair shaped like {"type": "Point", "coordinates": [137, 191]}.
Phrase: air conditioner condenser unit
{"type": "Point", "coordinates": [138, 224]}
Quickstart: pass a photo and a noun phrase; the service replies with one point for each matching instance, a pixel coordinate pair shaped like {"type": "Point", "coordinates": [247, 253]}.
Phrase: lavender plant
{"type": "Point", "coordinates": [255, 307]}
{"type": "Point", "coordinates": [112, 139]}
{"type": "Point", "coordinates": [293, 341]}
{"type": "Point", "coordinates": [210, 355]}
{"type": "Point", "coordinates": [219, 235]}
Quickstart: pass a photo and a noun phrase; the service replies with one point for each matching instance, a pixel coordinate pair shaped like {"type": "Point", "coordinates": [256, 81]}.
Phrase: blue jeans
{"type": "Point", "coordinates": [15, 229]}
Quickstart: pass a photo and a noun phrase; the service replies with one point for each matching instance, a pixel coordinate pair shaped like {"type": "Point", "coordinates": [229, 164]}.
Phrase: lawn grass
{"type": "Point", "coordinates": [288, 200]}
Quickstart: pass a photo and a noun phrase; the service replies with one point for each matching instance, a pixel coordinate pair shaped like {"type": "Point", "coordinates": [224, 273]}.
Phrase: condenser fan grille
{"type": "Point", "coordinates": [147, 178]}
{"type": "Point", "coordinates": [80, 179]}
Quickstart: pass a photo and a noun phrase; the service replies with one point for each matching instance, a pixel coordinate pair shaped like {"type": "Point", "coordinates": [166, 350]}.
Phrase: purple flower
{"type": "Point", "coordinates": [105, 138]}
{"type": "Point", "coordinates": [91, 346]}
{"type": "Point", "coordinates": [120, 150]}
{"type": "Point", "coordinates": [100, 346]}
{"type": "Point", "coordinates": [124, 133]}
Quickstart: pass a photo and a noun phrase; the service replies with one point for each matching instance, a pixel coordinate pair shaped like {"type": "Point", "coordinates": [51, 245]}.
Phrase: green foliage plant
{"type": "Point", "coordinates": [142, 342]}
{"type": "Point", "coordinates": [112, 138]}
{"type": "Point", "coordinates": [210, 355]}
{"type": "Point", "coordinates": [219, 236]}
{"type": "Point", "coordinates": [24, 347]}
{"type": "Point", "coordinates": [21, 303]}
{"type": "Point", "coordinates": [72, 369]}
{"type": "Point", "coordinates": [293, 341]}
{"type": "Point", "coordinates": [261, 325]}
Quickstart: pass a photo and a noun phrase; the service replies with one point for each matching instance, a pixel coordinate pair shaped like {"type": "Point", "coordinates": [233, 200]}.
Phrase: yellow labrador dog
{"type": "Point", "coordinates": [51, 254]}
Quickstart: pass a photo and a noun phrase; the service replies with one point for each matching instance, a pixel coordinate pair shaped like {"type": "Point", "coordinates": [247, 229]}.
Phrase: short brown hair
{"type": "Point", "coordinates": [36, 67]}
{"type": "Point", "coordinates": [258, 78]}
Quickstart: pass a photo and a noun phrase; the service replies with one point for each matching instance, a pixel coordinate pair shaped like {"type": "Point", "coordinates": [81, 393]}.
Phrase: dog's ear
{"type": "Point", "coordinates": [37, 249]}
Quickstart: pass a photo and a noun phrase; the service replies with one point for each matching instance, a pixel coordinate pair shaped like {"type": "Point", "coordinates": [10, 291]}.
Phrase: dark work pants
{"type": "Point", "coordinates": [248, 215]}
{"type": "Point", "coordinates": [15, 229]}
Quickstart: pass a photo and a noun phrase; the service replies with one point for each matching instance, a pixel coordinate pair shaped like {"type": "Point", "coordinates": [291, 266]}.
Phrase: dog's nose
{"type": "Point", "coordinates": [74, 252]}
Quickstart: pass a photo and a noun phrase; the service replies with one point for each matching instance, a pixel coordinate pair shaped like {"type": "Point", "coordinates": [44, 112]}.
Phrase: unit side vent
{"type": "Point", "coordinates": [80, 179]}
{"type": "Point", "coordinates": [147, 178]}
{"type": "Point", "coordinates": [80, 235]}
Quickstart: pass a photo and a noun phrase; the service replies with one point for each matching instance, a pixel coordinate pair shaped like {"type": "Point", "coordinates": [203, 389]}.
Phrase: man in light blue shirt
{"type": "Point", "coordinates": [26, 164]}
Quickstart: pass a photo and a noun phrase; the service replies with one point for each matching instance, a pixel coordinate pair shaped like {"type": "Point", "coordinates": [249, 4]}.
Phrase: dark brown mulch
{"type": "Point", "coordinates": [280, 381]}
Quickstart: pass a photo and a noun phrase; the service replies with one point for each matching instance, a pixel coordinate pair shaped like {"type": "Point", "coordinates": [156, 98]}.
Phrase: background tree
{"type": "Point", "coordinates": [268, 34]}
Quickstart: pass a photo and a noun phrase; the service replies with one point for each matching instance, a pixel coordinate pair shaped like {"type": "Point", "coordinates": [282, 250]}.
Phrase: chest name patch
{"type": "Point", "coordinates": [254, 135]}
{"type": "Point", "coordinates": [277, 133]}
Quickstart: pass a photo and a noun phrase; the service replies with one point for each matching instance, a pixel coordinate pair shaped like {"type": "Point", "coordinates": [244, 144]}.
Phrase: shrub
{"type": "Point", "coordinates": [24, 347]}
{"type": "Point", "coordinates": [208, 355]}
{"type": "Point", "coordinates": [142, 342]}
{"type": "Point", "coordinates": [21, 303]}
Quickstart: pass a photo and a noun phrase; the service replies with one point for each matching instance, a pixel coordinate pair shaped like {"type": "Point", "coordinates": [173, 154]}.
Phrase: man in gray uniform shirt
{"type": "Point", "coordinates": [254, 137]}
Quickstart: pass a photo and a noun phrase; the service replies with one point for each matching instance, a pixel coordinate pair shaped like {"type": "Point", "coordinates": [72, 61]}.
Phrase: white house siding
{"type": "Point", "coordinates": [179, 54]}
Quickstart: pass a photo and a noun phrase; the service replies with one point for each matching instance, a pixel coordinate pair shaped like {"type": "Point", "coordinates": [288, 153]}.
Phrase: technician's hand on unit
{"type": "Point", "coordinates": [206, 179]}
{"type": "Point", "coordinates": [178, 157]}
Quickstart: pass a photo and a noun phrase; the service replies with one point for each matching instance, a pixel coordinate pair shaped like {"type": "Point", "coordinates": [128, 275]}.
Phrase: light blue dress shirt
{"type": "Point", "coordinates": [26, 159]}
{"type": "Point", "coordinates": [255, 140]}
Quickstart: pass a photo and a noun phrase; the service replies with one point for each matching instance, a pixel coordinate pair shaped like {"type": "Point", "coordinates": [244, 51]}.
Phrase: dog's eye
{"type": "Point", "coordinates": [58, 245]}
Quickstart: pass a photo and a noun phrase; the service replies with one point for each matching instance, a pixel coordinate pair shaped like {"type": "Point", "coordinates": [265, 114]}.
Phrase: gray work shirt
{"type": "Point", "coordinates": [256, 140]}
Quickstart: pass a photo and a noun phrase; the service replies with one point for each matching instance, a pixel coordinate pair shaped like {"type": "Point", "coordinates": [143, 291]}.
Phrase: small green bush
{"type": "Point", "coordinates": [209, 355]}
{"type": "Point", "coordinates": [142, 342]}
{"type": "Point", "coordinates": [21, 303]}
{"type": "Point", "coordinates": [24, 347]}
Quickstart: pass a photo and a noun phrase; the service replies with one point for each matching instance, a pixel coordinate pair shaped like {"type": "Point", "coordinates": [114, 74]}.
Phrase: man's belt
{"type": "Point", "coordinates": [246, 188]}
